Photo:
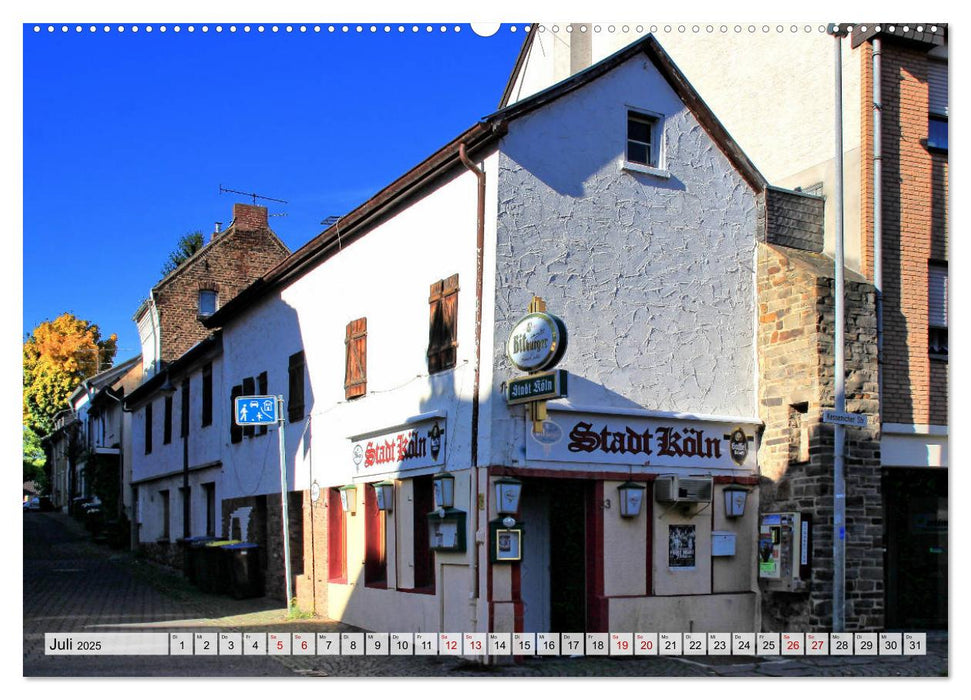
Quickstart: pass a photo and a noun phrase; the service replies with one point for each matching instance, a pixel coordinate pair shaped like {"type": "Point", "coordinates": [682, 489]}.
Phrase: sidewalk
{"type": "Point", "coordinates": [73, 585]}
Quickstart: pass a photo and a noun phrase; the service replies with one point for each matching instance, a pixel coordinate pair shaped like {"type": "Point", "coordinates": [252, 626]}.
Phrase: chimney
{"type": "Point", "coordinates": [217, 230]}
{"type": "Point", "coordinates": [248, 217]}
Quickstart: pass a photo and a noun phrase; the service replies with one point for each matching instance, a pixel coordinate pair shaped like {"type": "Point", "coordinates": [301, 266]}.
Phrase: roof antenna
{"type": "Point", "coordinates": [334, 221]}
{"type": "Point", "coordinates": [252, 194]}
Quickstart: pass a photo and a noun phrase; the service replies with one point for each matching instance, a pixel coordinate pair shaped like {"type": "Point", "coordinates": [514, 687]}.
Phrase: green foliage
{"type": "Point", "coordinates": [104, 474]}
{"type": "Point", "coordinates": [58, 356]}
{"type": "Point", "coordinates": [34, 459]}
{"type": "Point", "coordinates": [188, 245]}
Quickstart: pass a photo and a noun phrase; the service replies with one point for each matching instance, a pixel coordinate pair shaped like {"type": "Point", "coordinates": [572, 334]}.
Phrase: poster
{"type": "Point", "coordinates": [681, 546]}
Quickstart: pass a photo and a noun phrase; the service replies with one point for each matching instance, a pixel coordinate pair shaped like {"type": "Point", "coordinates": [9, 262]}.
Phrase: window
{"type": "Point", "coordinates": [184, 417]}
{"type": "Point", "coordinates": [336, 571]}
{"type": "Point", "coordinates": [235, 431]}
{"type": "Point", "coordinates": [355, 366]}
{"type": "Point", "coordinates": [937, 86]}
{"type": "Point", "coordinates": [375, 558]}
{"type": "Point", "coordinates": [207, 395]}
{"type": "Point", "coordinates": [210, 492]}
{"type": "Point", "coordinates": [249, 389]}
{"type": "Point", "coordinates": [642, 139]}
{"type": "Point", "coordinates": [799, 433]}
{"type": "Point", "coordinates": [208, 300]}
{"type": "Point", "coordinates": [443, 300]}
{"type": "Point", "coordinates": [148, 428]}
{"type": "Point", "coordinates": [164, 495]}
{"type": "Point", "coordinates": [167, 422]}
{"type": "Point", "coordinates": [295, 381]}
{"type": "Point", "coordinates": [937, 309]}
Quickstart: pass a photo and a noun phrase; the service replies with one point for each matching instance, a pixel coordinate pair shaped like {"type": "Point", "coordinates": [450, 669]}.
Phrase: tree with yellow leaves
{"type": "Point", "coordinates": [58, 356]}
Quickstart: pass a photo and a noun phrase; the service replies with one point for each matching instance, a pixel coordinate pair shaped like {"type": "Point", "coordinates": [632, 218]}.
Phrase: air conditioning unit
{"type": "Point", "coordinates": [686, 489]}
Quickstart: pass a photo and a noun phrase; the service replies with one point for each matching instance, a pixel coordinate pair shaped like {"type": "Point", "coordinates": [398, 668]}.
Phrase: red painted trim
{"type": "Point", "coordinates": [743, 480]}
{"type": "Point", "coordinates": [531, 472]}
{"type": "Point", "coordinates": [596, 603]}
{"type": "Point", "coordinates": [516, 593]}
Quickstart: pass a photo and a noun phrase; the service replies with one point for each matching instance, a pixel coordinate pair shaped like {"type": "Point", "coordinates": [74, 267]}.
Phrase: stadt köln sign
{"type": "Point", "coordinates": [650, 442]}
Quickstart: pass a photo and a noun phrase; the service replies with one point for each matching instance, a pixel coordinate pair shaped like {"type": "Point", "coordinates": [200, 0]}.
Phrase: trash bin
{"type": "Point", "coordinates": [245, 572]}
{"type": "Point", "coordinates": [213, 573]}
{"type": "Point", "coordinates": [191, 553]}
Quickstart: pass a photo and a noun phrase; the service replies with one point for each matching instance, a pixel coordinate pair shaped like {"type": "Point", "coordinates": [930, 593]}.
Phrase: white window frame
{"type": "Point", "coordinates": [658, 155]}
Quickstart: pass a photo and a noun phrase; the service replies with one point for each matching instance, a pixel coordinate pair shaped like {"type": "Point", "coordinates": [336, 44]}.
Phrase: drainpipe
{"type": "Point", "coordinates": [878, 211]}
{"type": "Point", "coordinates": [474, 463]}
{"type": "Point", "coordinates": [839, 479]}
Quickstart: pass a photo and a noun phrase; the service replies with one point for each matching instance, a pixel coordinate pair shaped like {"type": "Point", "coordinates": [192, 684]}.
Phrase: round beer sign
{"type": "Point", "coordinates": [537, 341]}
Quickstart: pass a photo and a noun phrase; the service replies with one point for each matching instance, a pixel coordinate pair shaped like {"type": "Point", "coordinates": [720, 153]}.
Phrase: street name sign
{"type": "Point", "coordinates": [255, 410]}
{"type": "Point", "coordinates": [537, 387]}
{"type": "Point", "coordinates": [857, 420]}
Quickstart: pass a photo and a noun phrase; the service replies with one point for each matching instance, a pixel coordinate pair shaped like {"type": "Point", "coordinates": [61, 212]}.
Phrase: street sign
{"type": "Point", "coordinates": [537, 387]}
{"type": "Point", "coordinates": [255, 410]}
{"type": "Point", "coordinates": [856, 420]}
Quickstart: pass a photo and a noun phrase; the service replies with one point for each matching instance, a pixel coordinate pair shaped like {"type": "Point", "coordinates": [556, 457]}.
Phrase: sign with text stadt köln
{"type": "Point", "coordinates": [537, 387]}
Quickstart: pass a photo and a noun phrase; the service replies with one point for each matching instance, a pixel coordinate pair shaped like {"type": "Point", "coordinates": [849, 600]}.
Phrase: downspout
{"type": "Point", "coordinates": [474, 462]}
{"type": "Point", "coordinates": [839, 432]}
{"type": "Point", "coordinates": [878, 212]}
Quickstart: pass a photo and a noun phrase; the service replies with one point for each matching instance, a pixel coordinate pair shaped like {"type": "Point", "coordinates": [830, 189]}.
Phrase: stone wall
{"type": "Point", "coordinates": [796, 366]}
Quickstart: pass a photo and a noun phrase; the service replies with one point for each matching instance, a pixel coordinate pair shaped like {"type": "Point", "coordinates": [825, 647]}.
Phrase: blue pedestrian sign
{"type": "Point", "coordinates": [255, 410]}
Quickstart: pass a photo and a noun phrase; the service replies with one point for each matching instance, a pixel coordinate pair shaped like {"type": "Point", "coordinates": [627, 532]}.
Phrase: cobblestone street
{"type": "Point", "coordinates": [73, 585]}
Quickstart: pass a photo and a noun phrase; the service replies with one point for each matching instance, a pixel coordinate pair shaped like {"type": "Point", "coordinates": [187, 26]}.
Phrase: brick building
{"type": "Point", "coordinates": [170, 320]}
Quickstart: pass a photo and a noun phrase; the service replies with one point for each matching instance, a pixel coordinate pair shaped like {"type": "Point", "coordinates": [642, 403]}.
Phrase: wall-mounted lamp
{"type": "Point", "coordinates": [443, 488]}
{"type": "Point", "coordinates": [384, 494]}
{"type": "Point", "coordinates": [167, 388]}
{"type": "Point", "coordinates": [508, 491]}
{"type": "Point", "coordinates": [631, 498]}
{"type": "Point", "coordinates": [349, 499]}
{"type": "Point", "coordinates": [735, 497]}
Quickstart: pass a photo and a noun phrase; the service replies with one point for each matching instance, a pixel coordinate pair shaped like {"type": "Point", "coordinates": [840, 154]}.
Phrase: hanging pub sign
{"type": "Point", "coordinates": [414, 446]}
{"type": "Point", "coordinates": [611, 439]}
{"type": "Point", "coordinates": [537, 342]}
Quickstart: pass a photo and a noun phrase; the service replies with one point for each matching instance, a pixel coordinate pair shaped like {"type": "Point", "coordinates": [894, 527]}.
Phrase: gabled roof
{"type": "Point", "coordinates": [104, 379]}
{"type": "Point", "coordinates": [483, 135]}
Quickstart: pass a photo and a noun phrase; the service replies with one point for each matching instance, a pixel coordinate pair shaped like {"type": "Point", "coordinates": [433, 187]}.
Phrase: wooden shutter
{"type": "Point", "coordinates": [443, 300]}
{"type": "Point", "coordinates": [249, 389]}
{"type": "Point", "coordinates": [148, 428]}
{"type": "Point", "coordinates": [235, 431]}
{"type": "Point", "coordinates": [167, 422]}
{"type": "Point", "coordinates": [207, 395]}
{"type": "Point", "coordinates": [184, 413]}
{"type": "Point", "coordinates": [295, 373]}
{"type": "Point", "coordinates": [262, 388]}
{"type": "Point", "coordinates": [355, 367]}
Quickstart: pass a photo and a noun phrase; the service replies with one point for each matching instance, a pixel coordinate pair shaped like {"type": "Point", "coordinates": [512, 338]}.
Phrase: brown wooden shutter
{"type": "Point", "coordinates": [295, 373]}
{"type": "Point", "coordinates": [235, 431]}
{"type": "Point", "coordinates": [443, 300]}
{"type": "Point", "coordinates": [355, 368]}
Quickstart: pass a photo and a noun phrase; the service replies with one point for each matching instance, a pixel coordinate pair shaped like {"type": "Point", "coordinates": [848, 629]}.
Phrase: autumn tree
{"type": "Point", "coordinates": [58, 356]}
{"type": "Point", "coordinates": [188, 245]}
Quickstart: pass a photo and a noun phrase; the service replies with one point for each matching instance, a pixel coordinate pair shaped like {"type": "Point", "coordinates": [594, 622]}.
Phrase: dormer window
{"type": "Point", "coordinates": [207, 302]}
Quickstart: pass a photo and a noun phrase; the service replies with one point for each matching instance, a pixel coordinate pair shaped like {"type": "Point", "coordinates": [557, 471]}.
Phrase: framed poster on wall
{"type": "Point", "coordinates": [681, 546]}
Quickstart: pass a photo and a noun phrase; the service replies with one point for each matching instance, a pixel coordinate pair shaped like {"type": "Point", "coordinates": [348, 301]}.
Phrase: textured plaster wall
{"type": "Point", "coordinates": [653, 276]}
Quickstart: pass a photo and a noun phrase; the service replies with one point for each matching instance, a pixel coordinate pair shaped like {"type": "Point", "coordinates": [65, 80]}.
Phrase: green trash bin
{"type": "Point", "coordinates": [213, 574]}
{"type": "Point", "coordinates": [245, 571]}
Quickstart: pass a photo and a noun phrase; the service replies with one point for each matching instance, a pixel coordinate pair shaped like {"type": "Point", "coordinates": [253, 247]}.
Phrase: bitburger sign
{"type": "Point", "coordinates": [537, 342]}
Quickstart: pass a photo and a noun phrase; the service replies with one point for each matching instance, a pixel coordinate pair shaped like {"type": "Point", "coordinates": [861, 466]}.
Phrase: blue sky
{"type": "Point", "coordinates": [127, 137]}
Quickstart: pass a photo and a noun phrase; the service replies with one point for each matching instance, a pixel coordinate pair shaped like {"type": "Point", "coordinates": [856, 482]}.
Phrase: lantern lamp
{"type": "Point", "coordinates": [349, 499]}
{"type": "Point", "coordinates": [735, 501]}
{"type": "Point", "coordinates": [631, 498]}
{"type": "Point", "coordinates": [384, 494]}
{"type": "Point", "coordinates": [507, 495]}
{"type": "Point", "coordinates": [443, 486]}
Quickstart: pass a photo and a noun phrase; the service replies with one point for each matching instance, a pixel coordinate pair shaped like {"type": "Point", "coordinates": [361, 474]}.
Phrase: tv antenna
{"type": "Point", "coordinates": [253, 195]}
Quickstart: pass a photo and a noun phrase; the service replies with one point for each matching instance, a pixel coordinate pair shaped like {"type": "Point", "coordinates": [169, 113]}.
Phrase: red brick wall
{"type": "Point", "coordinates": [914, 193]}
{"type": "Point", "coordinates": [237, 257]}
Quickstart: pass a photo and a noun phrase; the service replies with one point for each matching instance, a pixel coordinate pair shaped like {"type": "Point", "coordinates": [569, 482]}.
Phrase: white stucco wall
{"type": "Point", "coordinates": [652, 276]}
{"type": "Point", "coordinates": [385, 277]}
{"type": "Point", "coordinates": [774, 92]}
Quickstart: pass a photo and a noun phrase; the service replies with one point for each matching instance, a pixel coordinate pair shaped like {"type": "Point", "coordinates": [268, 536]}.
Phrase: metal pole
{"type": "Point", "coordinates": [283, 498]}
{"type": "Point", "coordinates": [839, 483]}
